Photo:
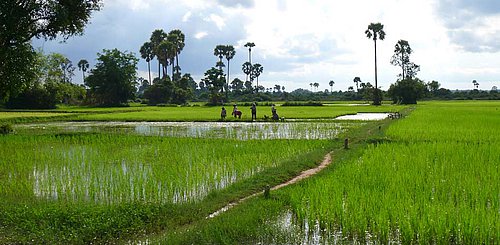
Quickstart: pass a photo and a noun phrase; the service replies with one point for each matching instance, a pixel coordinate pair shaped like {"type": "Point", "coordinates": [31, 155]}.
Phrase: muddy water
{"type": "Point", "coordinates": [234, 130]}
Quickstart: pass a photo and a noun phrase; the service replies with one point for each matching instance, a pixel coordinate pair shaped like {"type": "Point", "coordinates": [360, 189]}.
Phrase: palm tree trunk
{"type": "Point", "coordinates": [149, 72]}
{"type": "Point", "coordinates": [227, 71]}
{"type": "Point", "coordinates": [403, 65]}
{"type": "Point", "coordinates": [159, 69]}
{"type": "Point", "coordinates": [376, 100]}
{"type": "Point", "coordinates": [173, 66]}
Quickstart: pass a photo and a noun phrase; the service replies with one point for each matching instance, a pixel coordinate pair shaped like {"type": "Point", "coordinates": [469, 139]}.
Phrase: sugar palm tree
{"type": "Point", "coordinates": [156, 38]}
{"type": "Point", "coordinates": [249, 45]}
{"type": "Point", "coordinates": [178, 39]}
{"type": "Point", "coordinates": [311, 84]}
{"type": "Point", "coordinates": [147, 54]}
{"type": "Point", "coordinates": [219, 52]}
{"type": "Point", "coordinates": [83, 65]}
{"type": "Point", "coordinates": [476, 84]}
{"type": "Point", "coordinates": [229, 53]}
{"type": "Point", "coordinates": [257, 70]}
{"type": "Point", "coordinates": [165, 55]}
{"type": "Point", "coordinates": [375, 31]}
{"type": "Point", "coordinates": [316, 85]}
{"type": "Point", "coordinates": [357, 80]}
{"type": "Point", "coordinates": [247, 69]}
{"type": "Point", "coordinates": [331, 85]}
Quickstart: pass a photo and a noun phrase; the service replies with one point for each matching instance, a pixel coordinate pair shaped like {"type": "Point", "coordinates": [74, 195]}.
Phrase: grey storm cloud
{"type": "Point", "coordinates": [127, 30]}
{"type": "Point", "coordinates": [462, 17]}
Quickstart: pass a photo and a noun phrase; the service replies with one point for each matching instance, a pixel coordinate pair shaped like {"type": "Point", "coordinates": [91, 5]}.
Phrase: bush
{"type": "Point", "coordinates": [6, 129]}
{"type": "Point", "coordinates": [166, 105]}
{"type": "Point", "coordinates": [308, 103]}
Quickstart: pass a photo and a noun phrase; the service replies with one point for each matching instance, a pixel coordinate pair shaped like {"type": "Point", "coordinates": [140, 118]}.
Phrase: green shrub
{"type": "Point", "coordinates": [6, 129]}
{"type": "Point", "coordinates": [308, 103]}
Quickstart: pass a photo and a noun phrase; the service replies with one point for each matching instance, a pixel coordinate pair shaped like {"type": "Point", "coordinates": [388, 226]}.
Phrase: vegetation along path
{"type": "Point", "coordinates": [303, 175]}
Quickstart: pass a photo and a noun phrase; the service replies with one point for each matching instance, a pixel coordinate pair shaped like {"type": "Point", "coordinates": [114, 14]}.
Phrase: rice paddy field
{"type": "Point", "coordinates": [127, 175]}
{"type": "Point", "coordinates": [434, 178]}
{"type": "Point", "coordinates": [77, 180]}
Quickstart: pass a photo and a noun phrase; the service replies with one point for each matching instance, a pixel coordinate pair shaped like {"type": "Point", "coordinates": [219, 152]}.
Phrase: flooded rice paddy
{"type": "Point", "coordinates": [365, 116]}
{"type": "Point", "coordinates": [225, 130]}
{"type": "Point", "coordinates": [175, 165]}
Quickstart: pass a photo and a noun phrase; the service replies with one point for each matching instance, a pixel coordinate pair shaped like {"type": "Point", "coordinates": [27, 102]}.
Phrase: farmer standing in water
{"type": "Point", "coordinates": [254, 111]}
{"type": "Point", "coordinates": [275, 116]}
{"type": "Point", "coordinates": [223, 114]}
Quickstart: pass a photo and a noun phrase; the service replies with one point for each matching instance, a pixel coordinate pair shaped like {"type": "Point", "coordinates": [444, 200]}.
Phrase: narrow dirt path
{"type": "Point", "coordinates": [303, 175]}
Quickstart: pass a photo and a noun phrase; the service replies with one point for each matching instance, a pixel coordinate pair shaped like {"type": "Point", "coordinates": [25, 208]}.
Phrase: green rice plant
{"type": "Point", "coordinates": [203, 113]}
{"type": "Point", "coordinates": [427, 191]}
{"type": "Point", "coordinates": [434, 180]}
{"type": "Point", "coordinates": [450, 121]}
{"type": "Point", "coordinates": [113, 169]}
{"type": "Point", "coordinates": [224, 130]}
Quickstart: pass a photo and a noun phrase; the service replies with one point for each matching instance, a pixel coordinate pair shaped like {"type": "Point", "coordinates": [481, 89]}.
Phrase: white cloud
{"type": "Point", "coordinates": [217, 20]}
{"type": "Point", "coordinates": [200, 35]}
{"type": "Point", "coordinates": [186, 16]}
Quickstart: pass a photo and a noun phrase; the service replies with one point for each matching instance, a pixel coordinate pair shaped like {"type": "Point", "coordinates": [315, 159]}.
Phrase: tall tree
{"type": "Point", "coordinates": [375, 31]}
{"type": "Point", "coordinates": [331, 83]}
{"type": "Point", "coordinates": [249, 45]}
{"type": "Point", "coordinates": [316, 85]}
{"type": "Point", "coordinates": [247, 69]}
{"type": "Point", "coordinates": [147, 53]}
{"type": "Point", "coordinates": [229, 53]}
{"type": "Point", "coordinates": [177, 38]}
{"type": "Point", "coordinates": [257, 70]}
{"type": "Point", "coordinates": [20, 21]}
{"type": "Point", "coordinates": [165, 54]}
{"type": "Point", "coordinates": [214, 80]}
{"type": "Point", "coordinates": [357, 80]}
{"type": "Point", "coordinates": [219, 52]}
{"type": "Point", "coordinates": [67, 69]}
{"type": "Point", "coordinates": [112, 81]}
{"type": "Point", "coordinates": [277, 88]}
{"type": "Point", "coordinates": [475, 83]}
{"type": "Point", "coordinates": [157, 37]}
{"type": "Point", "coordinates": [83, 65]}
{"type": "Point", "coordinates": [401, 58]}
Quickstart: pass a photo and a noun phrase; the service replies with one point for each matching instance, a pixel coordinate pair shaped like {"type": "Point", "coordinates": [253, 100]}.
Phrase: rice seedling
{"type": "Point", "coordinates": [223, 130]}
{"type": "Point", "coordinates": [112, 168]}
{"type": "Point", "coordinates": [435, 181]}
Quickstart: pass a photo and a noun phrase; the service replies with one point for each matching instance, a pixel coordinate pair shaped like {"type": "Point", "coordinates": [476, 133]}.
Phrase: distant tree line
{"type": "Point", "coordinates": [31, 79]}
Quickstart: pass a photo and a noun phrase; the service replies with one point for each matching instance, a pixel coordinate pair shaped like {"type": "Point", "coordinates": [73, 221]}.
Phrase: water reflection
{"type": "Point", "coordinates": [234, 130]}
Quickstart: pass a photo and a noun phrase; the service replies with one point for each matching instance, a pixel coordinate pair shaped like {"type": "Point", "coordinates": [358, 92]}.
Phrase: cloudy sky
{"type": "Point", "coordinates": [300, 42]}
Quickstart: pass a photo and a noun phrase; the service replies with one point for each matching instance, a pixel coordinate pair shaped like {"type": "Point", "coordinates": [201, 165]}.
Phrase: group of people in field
{"type": "Point", "coordinates": [237, 113]}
